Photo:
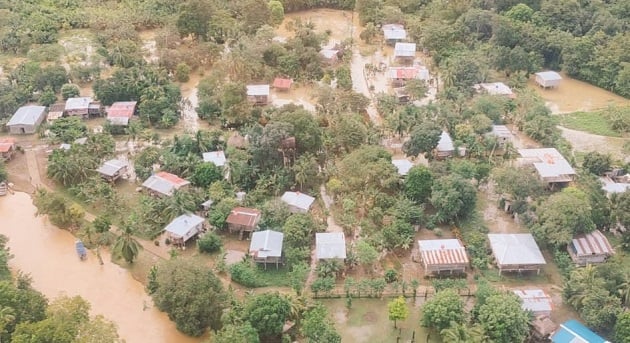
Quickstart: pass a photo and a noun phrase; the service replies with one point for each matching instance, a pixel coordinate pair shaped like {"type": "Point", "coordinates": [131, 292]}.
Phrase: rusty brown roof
{"type": "Point", "coordinates": [244, 216]}
{"type": "Point", "coordinates": [594, 243]}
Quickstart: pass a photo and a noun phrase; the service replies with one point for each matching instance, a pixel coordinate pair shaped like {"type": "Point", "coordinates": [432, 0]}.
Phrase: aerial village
{"type": "Point", "coordinates": [314, 171]}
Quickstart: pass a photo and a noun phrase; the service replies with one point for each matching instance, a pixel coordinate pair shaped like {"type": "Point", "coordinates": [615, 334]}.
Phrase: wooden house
{"type": "Point", "coordinates": [548, 79]}
{"type": "Point", "coordinates": [258, 94]}
{"type": "Point", "coordinates": [443, 255]}
{"type": "Point", "coordinates": [445, 147]}
{"type": "Point", "coordinates": [399, 76]}
{"type": "Point", "coordinates": [119, 113]}
{"type": "Point", "coordinates": [404, 52]}
{"type": "Point", "coordinates": [112, 170]}
{"type": "Point", "coordinates": [329, 56]}
{"type": "Point", "coordinates": [394, 33]}
{"type": "Point", "coordinates": [502, 133]}
{"type": "Point", "coordinates": [266, 247]}
{"type": "Point", "coordinates": [183, 228]}
{"type": "Point", "coordinates": [330, 246]}
{"type": "Point", "coordinates": [551, 166]}
{"type": "Point", "coordinates": [516, 252]}
{"type": "Point", "coordinates": [7, 148]}
{"type": "Point", "coordinates": [55, 111]}
{"type": "Point", "coordinates": [243, 220]}
{"type": "Point", "coordinates": [164, 184]}
{"type": "Point", "coordinates": [282, 84]}
{"type": "Point", "coordinates": [535, 301]}
{"type": "Point", "coordinates": [590, 248]}
{"type": "Point", "coordinates": [298, 202]}
{"type": "Point", "coordinates": [79, 107]}
{"type": "Point", "coordinates": [26, 119]}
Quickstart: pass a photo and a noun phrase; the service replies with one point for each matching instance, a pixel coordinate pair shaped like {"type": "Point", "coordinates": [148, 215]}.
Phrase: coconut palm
{"type": "Point", "coordinates": [126, 246]}
{"type": "Point", "coordinates": [456, 333]}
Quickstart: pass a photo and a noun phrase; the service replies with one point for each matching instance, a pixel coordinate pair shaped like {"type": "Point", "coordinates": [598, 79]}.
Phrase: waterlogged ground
{"type": "Point", "coordinates": [48, 255]}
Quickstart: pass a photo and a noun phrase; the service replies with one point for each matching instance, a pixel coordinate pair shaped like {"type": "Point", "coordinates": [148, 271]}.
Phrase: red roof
{"type": "Point", "coordinates": [282, 83]}
{"type": "Point", "coordinates": [122, 109]}
{"type": "Point", "coordinates": [6, 144]}
{"type": "Point", "coordinates": [405, 73]}
{"type": "Point", "coordinates": [172, 178]}
{"type": "Point", "coordinates": [243, 216]}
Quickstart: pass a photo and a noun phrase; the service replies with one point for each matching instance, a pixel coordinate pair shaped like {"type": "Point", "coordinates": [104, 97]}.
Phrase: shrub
{"type": "Point", "coordinates": [243, 273]}
{"type": "Point", "coordinates": [391, 275]}
{"type": "Point", "coordinates": [209, 243]}
{"type": "Point", "coordinates": [182, 72]}
{"type": "Point", "coordinates": [69, 91]}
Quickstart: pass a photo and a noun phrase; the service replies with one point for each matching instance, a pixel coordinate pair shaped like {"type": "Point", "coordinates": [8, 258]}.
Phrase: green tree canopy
{"type": "Point", "coordinates": [397, 309]}
{"type": "Point", "coordinates": [503, 319]}
{"type": "Point", "coordinates": [453, 197]}
{"type": "Point", "coordinates": [424, 138]}
{"type": "Point", "coordinates": [445, 307]}
{"type": "Point", "coordinates": [418, 183]}
{"type": "Point", "coordinates": [267, 312]}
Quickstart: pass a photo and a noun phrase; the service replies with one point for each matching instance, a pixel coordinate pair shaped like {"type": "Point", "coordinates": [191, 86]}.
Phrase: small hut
{"type": "Point", "coordinates": [282, 84]}
{"type": "Point", "coordinates": [394, 33]}
{"type": "Point", "coordinates": [119, 113]}
{"type": "Point", "coordinates": [298, 202]}
{"type": "Point", "coordinates": [55, 111]}
{"type": "Point", "coordinates": [573, 331]}
{"type": "Point", "coordinates": [535, 301]}
{"type": "Point", "coordinates": [258, 94]}
{"type": "Point", "coordinates": [183, 228]}
{"type": "Point", "coordinates": [330, 246]}
{"type": "Point", "coordinates": [79, 106]}
{"type": "Point", "coordinates": [266, 247]}
{"type": "Point", "coordinates": [7, 148]}
{"type": "Point", "coordinates": [164, 184]}
{"type": "Point", "coordinates": [404, 52]}
{"type": "Point", "coordinates": [215, 157]}
{"type": "Point", "coordinates": [329, 56]}
{"type": "Point", "coordinates": [112, 170]}
{"type": "Point", "coordinates": [548, 79]}
{"type": "Point", "coordinates": [590, 248]}
{"type": "Point", "coordinates": [502, 133]}
{"type": "Point", "coordinates": [243, 220]}
{"type": "Point", "coordinates": [495, 88]}
{"type": "Point", "coordinates": [403, 166]}
{"type": "Point", "coordinates": [445, 147]}
{"type": "Point", "coordinates": [440, 255]}
{"type": "Point", "coordinates": [516, 252]}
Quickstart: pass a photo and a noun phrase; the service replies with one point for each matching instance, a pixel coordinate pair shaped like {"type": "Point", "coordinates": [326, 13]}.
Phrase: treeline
{"type": "Point", "coordinates": [585, 39]}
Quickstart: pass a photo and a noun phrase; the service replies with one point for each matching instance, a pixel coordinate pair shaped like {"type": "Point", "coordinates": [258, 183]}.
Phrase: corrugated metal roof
{"type": "Point", "coordinates": [164, 183]}
{"type": "Point", "coordinates": [78, 103]}
{"type": "Point", "coordinates": [573, 331]}
{"type": "Point", "coordinates": [501, 131]}
{"type": "Point", "coordinates": [405, 50]}
{"type": "Point", "coordinates": [243, 216]}
{"type": "Point", "coordinates": [6, 144]}
{"type": "Point", "coordinates": [297, 199]}
{"type": "Point", "coordinates": [257, 90]}
{"type": "Point", "coordinates": [215, 157]}
{"type": "Point", "coordinates": [496, 88]}
{"type": "Point", "coordinates": [535, 300]}
{"type": "Point", "coordinates": [329, 53]}
{"type": "Point", "coordinates": [111, 167]}
{"type": "Point", "coordinates": [121, 109]}
{"type": "Point", "coordinates": [183, 225]}
{"type": "Point", "coordinates": [266, 243]}
{"type": "Point", "coordinates": [282, 83]}
{"type": "Point", "coordinates": [442, 251]}
{"type": "Point", "coordinates": [515, 248]}
{"type": "Point", "coordinates": [594, 243]}
{"type": "Point", "coordinates": [27, 115]}
{"type": "Point", "coordinates": [549, 75]}
{"type": "Point", "coordinates": [394, 31]}
{"type": "Point", "coordinates": [445, 143]}
{"type": "Point", "coordinates": [548, 162]}
{"type": "Point", "coordinates": [330, 245]}
{"type": "Point", "coordinates": [403, 166]}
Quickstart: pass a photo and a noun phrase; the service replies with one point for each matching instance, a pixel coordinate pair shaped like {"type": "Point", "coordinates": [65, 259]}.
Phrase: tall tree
{"type": "Point", "coordinates": [441, 310]}
{"type": "Point", "coordinates": [267, 312]}
{"type": "Point", "coordinates": [126, 246]}
{"type": "Point", "coordinates": [397, 309]}
{"type": "Point", "coordinates": [503, 319]}
{"type": "Point", "coordinates": [453, 197]}
{"type": "Point", "coordinates": [418, 183]}
{"type": "Point", "coordinates": [424, 138]}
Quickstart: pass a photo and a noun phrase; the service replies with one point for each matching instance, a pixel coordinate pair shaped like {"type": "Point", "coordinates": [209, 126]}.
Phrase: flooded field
{"type": "Point", "coordinates": [367, 321]}
{"type": "Point", "coordinates": [573, 95]}
{"type": "Point", "coordinates": [47, 254]}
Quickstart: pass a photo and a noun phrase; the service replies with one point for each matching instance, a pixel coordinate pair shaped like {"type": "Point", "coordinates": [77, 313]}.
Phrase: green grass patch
{"type": "Point", "coordinates": [591, 122]}
{"type": "Point", "coordinates": [250, 275]}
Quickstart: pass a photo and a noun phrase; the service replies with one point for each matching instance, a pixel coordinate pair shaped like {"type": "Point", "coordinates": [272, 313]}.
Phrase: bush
{"type": "Point", "coordinates": [182, 72]}
{"type": "Point", "coordinates": [209, 243]}
{"type": "Point", "coordinates": [69, 91]}
{"type": "Point", "coordinates": [243, 273]}
{"type": "Point", "coordinates": [391, 275]}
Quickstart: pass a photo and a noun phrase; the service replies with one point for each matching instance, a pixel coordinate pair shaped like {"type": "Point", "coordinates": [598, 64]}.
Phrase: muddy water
{"type": "Point", "coordinates": [47, 253]}
{"type": "Point", "coordinates": [298, 95]}
{"type": "Point", "coordinates": [573, 95]}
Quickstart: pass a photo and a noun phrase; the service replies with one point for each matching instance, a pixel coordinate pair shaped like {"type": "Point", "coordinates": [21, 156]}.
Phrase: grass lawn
{"type": "Point", "coordinates": [591, 122]}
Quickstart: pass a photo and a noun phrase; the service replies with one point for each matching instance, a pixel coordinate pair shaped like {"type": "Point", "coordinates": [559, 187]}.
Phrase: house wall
{"type": "Point", "coordinates": [78, 112]}
{"type": "Point", "coordinates": [588, 259]}
{"type": "Point", "coordinates": [21, 129]}
{"type": "Point", "coordinates": [519, 267]}
{"type": "Point", "coordinates": [546, 83]}
{"type": "Point", "coordinates": [295, 209]}
{"type": "Point", "coordinates": [437, 268]}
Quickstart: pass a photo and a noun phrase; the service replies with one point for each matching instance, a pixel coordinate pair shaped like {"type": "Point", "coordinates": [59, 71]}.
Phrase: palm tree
{"type": "Point", "coordinates": [456, 333]}
{"type": "Point", "coordinates": [126, 246]}
{"type": "Point", "coordinates": [7, 316]}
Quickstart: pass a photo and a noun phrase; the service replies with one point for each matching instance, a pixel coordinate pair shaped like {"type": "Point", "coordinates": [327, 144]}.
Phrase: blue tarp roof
{"type": "Point", "coordinates": [573, 331]}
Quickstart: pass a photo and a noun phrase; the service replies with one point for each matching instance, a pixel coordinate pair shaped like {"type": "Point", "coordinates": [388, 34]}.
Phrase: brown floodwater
{"type": "Point", "coordinates": [574, 95]}
{"type": "Point", "coordinates": [48, 255]}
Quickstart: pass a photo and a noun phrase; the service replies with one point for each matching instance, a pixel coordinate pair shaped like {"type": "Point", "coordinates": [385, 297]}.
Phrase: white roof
{"type": "Point", "coordinates": [111, 167]}
{"type": "Point", "coordinates": [403, 166]}
{"type": "Point", "coordinates": [297, 199]}
{"type": "Point", "coordinates": [535, 300]}
{"type": "Point", "coordinates": [496, 88]}
{"type": "Point", "coordinates": [445, 143]}
{"type": "Point", "coordinates": [330, 245]}
{"type": "Point", "coordinates": [329, 53]}
{"type": "Point", "coordinates": [611, 186]}
{"type": "Point", "coordinates": [394, 31]}
{"type": "Point", "coordinates": [78, 103]}
{"type": "Point", "coordinates": [256, 90]}
{"type": "Point", "coordinates": [27, 115]}
{"type": "Point", "coordinates": [266, 243]}
{"type": "Point", "coordinates": [405, 49]}
{"type": "Point", "coordinates": [183, 224]}
{"type": "Point", "coordinates": [549, 75]}
{"type": "Point", "coordinates": [502, 131]}
{"type": "Point", "coordinates": [519, 248]}
{"type": "Point", "coordinates": [548, 162]}
{"type": "Point", "coordinates": [442, 251]}
{"type": "Point", "coordinates": [215, 157]}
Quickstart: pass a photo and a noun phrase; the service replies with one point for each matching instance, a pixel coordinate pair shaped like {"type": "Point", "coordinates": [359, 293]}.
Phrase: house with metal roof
{"type": "Point", "coordinates": [164, 184]}
{"type": "Point", "coordinates": [445, 147]}
{"type": "Point", "coordinates": [298, 202]}
{"type": "Point", "coordinates": [495, 88]}
{"type": "Point", "coordinates": [55, 111]}
{"type": "Point", "coordinates": [440, 255]}
{"type": "Point", "coordinates": [119, 113]}
{"type": "Point", "coordinates": [400, 75]}
{"type": "Point", "coordinates": [393, 33]}
{"type": "Point", "coordinates": [573, 331]}
{"type": "Point", "coordinates": [7, 148]}
{"type": "Point", "coordinates": [330, 246]}
{"type": "Point", "coordinates": [282, 84]}
{"type": "Point", "coordinates": [535, 301]}
{"type": "Point", "coordinates": [516, 252]}
{"type": "Point", "coordinates": [405, 51]}
{"type": "Point", "coordinates": [113, 169]}
{"type": "Point", "coordinates": [502, 134]}
{"type": "Point", "coordinates": [266, 247]}
{"type": "Point", "coordinates": [548, 79]}
{"type": "Point", "coordinates": [26, 119]}
{"type": "Point", "coordinates": [184, 227]}
{"type": "Point", "coordinates": [215, 157]}
{"type": "Point", "coordinates": [243, 220]}
{"type": "Point", "coordinates": [590, 248]}
{"type": "Point", "coordinates": [79, 106]}
{"type": "Point", "coordinates": [258, 94]}
{"type": "Point", "coordinates": [329, 56]}
{"type": "Point", "coordinates": [403, 166]}
{"type": "Point", "coordinates": [551, 166]}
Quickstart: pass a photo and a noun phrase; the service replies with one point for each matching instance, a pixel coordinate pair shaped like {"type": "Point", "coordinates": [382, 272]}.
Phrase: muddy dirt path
{"type": "Point", "coordinates": [48, 255]}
